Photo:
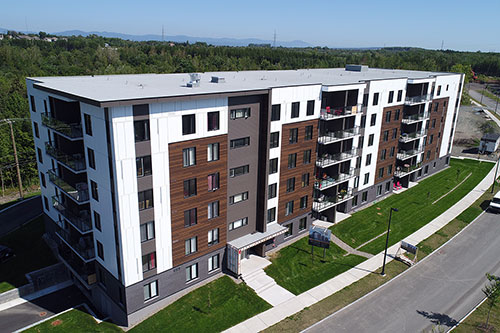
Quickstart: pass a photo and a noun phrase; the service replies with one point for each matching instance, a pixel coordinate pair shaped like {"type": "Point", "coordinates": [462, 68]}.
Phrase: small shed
{"type": "Point", "coordinates": [489, 143]}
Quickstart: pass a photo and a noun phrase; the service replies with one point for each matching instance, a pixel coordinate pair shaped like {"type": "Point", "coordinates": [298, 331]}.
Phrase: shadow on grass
{"type": "Point", "coordinates": [485, 204]}
{"type": "Point", "coordinates": [438, 318]}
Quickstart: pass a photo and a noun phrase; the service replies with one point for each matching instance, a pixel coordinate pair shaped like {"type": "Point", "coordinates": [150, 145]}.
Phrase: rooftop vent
{"type": "Point", "coordinates": [195, 80]}
{"type": "Point", "coordinates": [218, 79]}
{"type": "Point", "coordinates": [356, 68]}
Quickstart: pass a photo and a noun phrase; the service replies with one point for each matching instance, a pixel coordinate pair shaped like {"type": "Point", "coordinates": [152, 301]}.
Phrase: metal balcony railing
{"type": "Point", "coordinates": [415, 118]}
{"type": "Point", "coordinates": [81, 221]}
{"type": "Point", "coordinates": [407, 137]}
{"type": "Point", "coordinates": [417, 99]}
{"type": "Point", "coordinates": [82, 246]}
{"type": "Point", "coordinates": [330, 137]}
{"type": "Point", "coordinates": [73, 131]}
{"type": "Point", "coordinates": [79, 193]}
{"type": "Point", "coordinates": [327, 160]}
{"type": "Point", "coordinates": [76, 162]}
{"type": "Point", "coordinates": [324, 202]}
{"type": "Point", "coordinates": [327, 181]}
{"type": "Point", "coordinates": [406, 170]}
{"type": "Point", "coordinates": [329, 113]}
{"type": "Point", "coordinates": [405, 154]}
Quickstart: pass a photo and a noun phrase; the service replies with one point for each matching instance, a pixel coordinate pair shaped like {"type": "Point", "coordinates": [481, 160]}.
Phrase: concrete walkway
{"type": "Point", "coordinates": [349, 249]}
{"type": "Point", "coordinates": [297, 303]}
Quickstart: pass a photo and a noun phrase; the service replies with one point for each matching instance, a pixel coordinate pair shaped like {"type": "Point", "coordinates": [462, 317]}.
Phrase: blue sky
{"type": "Point", "coordinates": [463, 25]}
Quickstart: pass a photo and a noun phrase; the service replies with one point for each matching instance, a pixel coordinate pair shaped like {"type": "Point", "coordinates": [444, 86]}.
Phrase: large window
{"type": "Point", "coordinates": [94, 190]}
{"type": "Point", "coordinates": [240, 113]}
{"type": "Point", "coordinates": [149, 262]}
{"type": "Point", "coordinates": [307, 156]}
{"type": "Point", "coordinates": [88, 124]}
{"type": "Point", "coordinates": [383, 154]}
{"type": "Point", "coordinates": [213, 152]}
{"type": "Point", "coordinates": [308, 133]}
{"type": "Point", "coordinates": [368, 159]}
{"type": "Point", "coordinates": [394, 133]}
{"type": "Point", "coordinates": [191, 245]}
{"type": "Point", "coordinates": [32, 102]}
{"type": "Point", "coordinates": [191, 272]}
{"type": "Point", "coordinates": [241, 142]}
{"type": "Point", "coordinates": [303, 202]}
{"type": "Point", "coordinates": [91, 158]}
{"type": "Point", "coordinates": [213, 210]}
{"type": "Point", "coordinates": [238, 198]}
{"type": "Point", "coordinates": [150, 290]}
{"type": "Point", "coordinates": [213, 236]}
{"type": "Point", "coordinates": [213, 181]}
{"type": "Point", "coordinates": [190, 217]}
{"type": "Point", "coordinates": [275, 112]}
{"type": "Point", "coordinates": [97, 221]}
{"type": "Point", "coordinates": [310, 108]}
{"type": "Point", "coordinates": [396, 114]}
{"type": "Point", "coordinates": [367, 178]}
{"type": "Point", "coordinates": [141, 130]}
{"type": "Point", "coordinates": [388, 116]}
{"type": "Point", "coordinates": [37, 131]}
{"type": "Point", "coordinates": [373, 119]}
{"type": "Point", "coordinates": [100, 250]}
{"type": "Point", "coordinates": [274, 140]}
{"type": "Point", "coordinates": [188, 156]}
{"type": "Point", "coordinates": [213, 263]}
{"type": "Point", "coordinates": [213, 121]}
{"type": "Point", "coordinates": [294, 133]}
{"type": "Point", "coordinates": [370, 140]}
{"type": "Point", "coordinates": [273, 165]}
{"type": "Point", "coordinates": [289, 208]}
{"type": "Point", "coordinates": [289, 230]}
{"type": "Point", "coordinates": [147, 231]}
{"type": "Point", "coordinates": [305, 179]}
{"type": "Point", "coordinates": [238, 171]}
{"type": "Point", "coordinates": [302, 223]}
{"type": "Point", "coordinates": [189, 187]}
{"type": "Point", "coordinates": [292, 160]}
{"type": "Point", "coordinates": [381, 172]}
{"type": "Point", "coordinates": [290, 184]}
{"type": "Point", "coordinates": [188, 124]}
{"type": "Point", "coordinates": [238, 223]}
{"type": "Point", "coordinates": [272, 189]}
{"type": "Point", "coordinates": [271, 215]}
{"type": "Point", "coordinates": [391, 97]}
{"type": "Point", "coordinates": [375, 98]}
{"type": "Point", "coordinates": [364, 196]}
{"type": "Point", "coordinates": [386, 135]}
{"type": "Point", "coordinates": [143, 165]}
{"type": "Point", "coordinates": [400, 95]}
{"type": "Point", "coordinates": [145, 199]}
{"type": "Point", "coordinates": [295, 109]}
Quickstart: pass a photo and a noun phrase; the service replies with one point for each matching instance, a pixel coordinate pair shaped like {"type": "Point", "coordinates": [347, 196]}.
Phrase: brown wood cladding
{"type": "Point", "coordinates": [436, 141]}
{"type": "Point", "coordinates": [297, 172]}
{"type": "Point", "coordinates": [387, 145]}
{"type": "Point", "coordinates": [200, 201]}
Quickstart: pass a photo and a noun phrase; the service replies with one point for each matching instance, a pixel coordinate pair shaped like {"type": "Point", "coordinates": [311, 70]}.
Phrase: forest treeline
{"type": "Point", "coordinates": [20, 58]}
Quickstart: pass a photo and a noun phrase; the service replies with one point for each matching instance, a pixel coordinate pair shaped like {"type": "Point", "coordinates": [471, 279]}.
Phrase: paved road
{"type": "Point", "coordinates": [16, 216]}
{"type": "Point", "coordinates": [31, 312]}
{"type": "Point", "coordinates": [439, 290]}
{"type": "Point", "coordinates": [491, 104]}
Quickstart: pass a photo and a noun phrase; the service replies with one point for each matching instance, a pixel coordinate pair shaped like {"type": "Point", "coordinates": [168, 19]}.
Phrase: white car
{"type": "Point", "coordinates": [495, 203]}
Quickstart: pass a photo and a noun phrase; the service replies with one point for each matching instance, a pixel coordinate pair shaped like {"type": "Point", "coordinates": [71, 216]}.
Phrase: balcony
{"type": "Point", "coordinates": [415, 118]}
{"type": "Point", "coordinates": [76, 162]}
{"type": "Point", "coordinates": [330, 159]}
{"type": "Point", "coordinates": [83, 247]}
{"type": "Point", "coordinates": [331, 137]}
{"type": "Point", "coordinates": [407, 137]}
{"type": "Point", "coordinates": [324, 202]}
{"type": "Point", "coordinates": [330, 113]}
{"type": "Point", "coordinates": [405, 154]}
{"type": "Point", "coordinates": [407, 169]}
{"type": "Point", "coordinates": [325, 183]}
{"type": "Point", "coordinates": [80, 221]}
{"type": "Point", "coordinates": [417, 99]}
{"type": "Point", "coordinates": [71, 131]}
{"type": "Point", "coordinates": [80, 194]}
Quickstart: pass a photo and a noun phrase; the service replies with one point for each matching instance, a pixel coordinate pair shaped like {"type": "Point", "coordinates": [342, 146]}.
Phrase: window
{"type": "Point", "coordinates": [354, 201]}
{"type": "Point", "coordinates": [275, 112]}
{"type": "Point", "coordinates": [363, 121]}
{"type": "Point", "coordinates": [40, 156]}
{"type": "Point", "coordinates": [380, 172]}
{"type": "Point", "coordinates": [307, 156]}
{"type": "Point", "coordinates": [356, 181]}
{"type": "Point", "coordinates": [308, 133]}
{"type": "Point", "coordinates": [373, 119]}
{"type": "Point", "coordinates": [190, 217]}
{"type": "Point", "coordinates": [375, 99]}
{"type": "Point", "coordinates": [388, 116]}
{"type": "Point", "coordinates": [45, 105]}
{"type": "Point", "coordinates": [88, 124]}
{"type": "Point", "coordinates": [447, 87]}
{"type": "Point", "coordinates": [238, 143]}
{"type": "Point", "coordinates": [305, 179]}
{"type": "Point", "coordinates": [303, 202]}
{"type": "Point", "coordinates": [364, 196]}
{"type": "Point", "coordinates": [431, 139]}
{"type": "Point", "coordinates": [32, 102]}
{"type": "Point", "coordinates": [396, 114]}
{"type": "Point", "coordinates": [213, 181]}
{"type": "Point", "coordinates": [295, 109]}
{"type": "Point", "coordinates": [400, 95]}
{"type": "Point", "coordinates": [274, 140]}
{"type": "Point", "coordinates": [189, 187]}
{"type": "Point", "coordinates": [391, 97]}
{"type": "Point", "coordinates": [188, 124]}
{"type": "Point", "coordinates": [189, 157]}
{"type": "Point", "coordinates": [46, 203]}
{"type": "Point", "coordinates": [238, 171]}
{"type": "Point", "coordinates": [147, 231]}
{"type": "Point", "coordinates": [289, 208]}
{"type": "Point", "coordinates": [293, 138]}
{"type": "Point", "coordinates": [292, 160]}
{"type": "Point", "coordinates": [428, 154]}
{"type": "Point", "coordinates": [95, 193]}
{"type": "Point", "coordinates": [365, 100]}
{"type": "Point", "coordinates": [290, 184]}
{"type": "Point", "coordinates": [91, 158]}
{"type": "Point", "coordinates": [383, 152]}
{"type": "Point", "coordinates": [367, 178]}
{"type": "Point", "coordinates": [213, 263]}
{"type": "Point", "coordinates": [370, 140]}
{"type": "Point", "coordinates": [271, 215]}
{"type": "Point", "coordinates": [389, 169]}
{"type": "Point", "coordinates": [436, 107]}
{"type": "Point", "coordinates": [310, 108]}
{"type": "Point", "coordinates": [433, 123]}
{"type": "Point", "coordinates": [379, 190]}
{"type": "Point", "coordinates": [191, 245]}
{"type": "Point", "coordinates": [391, 153]}
{"type": "Point", "coordinates": [100, 250]}
{"type": "Point", "coordinates": [145, 199]}
{"type": "Point", "coordinates": [387, 187]}
{"type": "Point", "coordinates": [42, 179]}
{"type": "Point", "coordinates": [394, 133]}
{"type": "Point", "coordinates": [213, 121]}
{"type": "Point", "coordinates": [358, 162]}
{"type": "Point", "coordinates": [273, 165]}
{"type": "Point", "coordinates": [289, 230]}
{"type": "Point", "coordinates": [213, 209]}
{"type": "Point", "coordinates": [426, 170]}
{"type": "Point", "coordinates": [240, 113]}
{"type": "Point", "coordinates": [213, 236]}
{"type": "Point", "coordinates": [239, 197]}
{"type": "Point", "coordinates": [238, 223]}
{"type": "Point", "coordinates": [302, 223]}
{"type": "Point", "coordinates": [272, 189]}
{"type": "Point", "coordinates": [191, 272]}
{"type": "Point", "coordinates": [149, 262]}
{"type": "Point", "coordinates": [141, 130]}
{"type": "Point", "coordinates": [386, 135]}
{"type": "Point", "coordinates": [213, 152]}
{"type": "Point", "coordinates": [368, 159]}
{"type": "Point", "coordinates": [35, 129]}
{"type": "Point", "coordinates": [150, 290]}
{"type": "Point", "coordinates": [143, 165]}
{"type": "Point", "coordinates": [97, 221]}
{"type": "Point", "coordinates": [439, 90]}
{"type": "Point", "coordinates": [361, 141]}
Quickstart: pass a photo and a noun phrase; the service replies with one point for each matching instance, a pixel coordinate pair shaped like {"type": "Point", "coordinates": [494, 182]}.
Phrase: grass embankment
{"type": "Point", "coordinates": [31, 254]}
{"type": "Point", "coordinates": [26, 196]}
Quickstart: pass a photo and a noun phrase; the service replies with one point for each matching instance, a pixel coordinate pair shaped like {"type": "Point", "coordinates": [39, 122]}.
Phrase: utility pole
{"type": "Point", "coordinates": [495, 179]}
{"type": "Point", "coordinates": [16, 160]}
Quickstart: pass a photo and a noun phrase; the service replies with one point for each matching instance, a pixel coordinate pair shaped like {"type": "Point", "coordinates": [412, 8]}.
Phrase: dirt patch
{"type": "Point", "coordinates": [56, 322]}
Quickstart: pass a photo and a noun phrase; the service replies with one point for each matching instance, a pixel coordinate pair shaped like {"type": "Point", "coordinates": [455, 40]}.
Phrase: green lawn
{"type": "Point", "coordinates": [31, 254]}
{"type": "Point", "coordinates": [415, 207]}
{"type": "Point", "coordinates": [294, 270]}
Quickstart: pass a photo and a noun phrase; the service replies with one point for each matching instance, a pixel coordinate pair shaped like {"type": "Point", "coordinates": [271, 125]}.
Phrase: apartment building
{"type": "Point", "coordinates": [154, 183]}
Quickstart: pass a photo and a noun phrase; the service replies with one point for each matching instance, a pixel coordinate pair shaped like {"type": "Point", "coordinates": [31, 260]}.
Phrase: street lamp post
{"type": "Point", "coordinates": [387, 239]}
{"type": "Point", "coordinates": [495, 179]}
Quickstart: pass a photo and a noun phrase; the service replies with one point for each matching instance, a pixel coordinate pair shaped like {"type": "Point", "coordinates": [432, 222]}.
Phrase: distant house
{"type": "Point", "coordinates": [1, 37]}
{"type": "Point", "coordinates": [489, 143]}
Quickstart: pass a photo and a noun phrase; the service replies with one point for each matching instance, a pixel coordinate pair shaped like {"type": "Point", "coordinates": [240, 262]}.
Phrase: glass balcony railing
{"type": "Point", "coordinates": [327, 181]}
{"type": "Point", "coordinates": [80, 192]}
{"type": "Point", "coordinates": [76, 161]}
{"type": "Point", "coordinates": [73, 131]}
{"type": "Point", "coordinates": [81, 220]}
{"type": "Point", "coordinates": [339, 112]}
{"type": "Point", "coordinates": [407, 137]}
{"type": "Point", "coordinates": [415, 118]}
{"type": "Point", "coordinates": [407, 169]}
{"type": "Point", "coordinates": [324, 202]}
{"type": "Point", "coordinates": [405, 154]}
{"type": "Point", "coordinates": [327, 160]}
{"type": "Point", "coordinates": [417, 99]}
{"type": "Point", "coordinates": [329, 137]}
{"type": "Point", "coordinates": [83, 246]}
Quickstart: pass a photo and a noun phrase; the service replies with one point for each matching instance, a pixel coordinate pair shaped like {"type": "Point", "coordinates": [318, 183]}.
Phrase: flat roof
{"type": "Point", "coordinates": [100, 89]}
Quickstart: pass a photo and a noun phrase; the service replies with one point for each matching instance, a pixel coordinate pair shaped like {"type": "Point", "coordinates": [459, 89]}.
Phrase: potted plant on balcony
{"type": "Point", "coordinates": [342, 194]}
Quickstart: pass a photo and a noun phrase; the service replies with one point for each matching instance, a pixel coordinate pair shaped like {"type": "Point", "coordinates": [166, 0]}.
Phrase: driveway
{"type": "Point", "coordinates": [438, 291]}
{"type": "Point", "coordinates": [13, 217]}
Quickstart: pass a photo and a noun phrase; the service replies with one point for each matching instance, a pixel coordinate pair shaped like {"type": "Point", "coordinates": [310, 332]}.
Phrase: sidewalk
{"type": "Point", "coordinates": [277, 313]}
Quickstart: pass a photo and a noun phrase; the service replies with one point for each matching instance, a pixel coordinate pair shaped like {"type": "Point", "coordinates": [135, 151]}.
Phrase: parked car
{"type": "Point", "coordinates": [5, 253]}
{"type": "Point", "coordinates": [495, 203]}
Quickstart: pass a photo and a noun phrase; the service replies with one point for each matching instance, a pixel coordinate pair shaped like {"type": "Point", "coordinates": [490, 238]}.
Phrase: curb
{"type": "Point", "coordinates": [20, 202]}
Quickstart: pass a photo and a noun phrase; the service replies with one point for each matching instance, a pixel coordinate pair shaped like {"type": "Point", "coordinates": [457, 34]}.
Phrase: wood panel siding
{"type": "Point", "coordinates": [436, 115]}
{"type": "Point", "coordinates": [297, 172]}
{"type": "Point", "coordinates": [387, 145]}
{"type": "Point", "coordinates": [200, 201]}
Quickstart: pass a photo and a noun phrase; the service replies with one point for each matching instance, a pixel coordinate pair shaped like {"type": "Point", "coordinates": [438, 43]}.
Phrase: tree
{"type": "Point", "coordinates": [492, 292]}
